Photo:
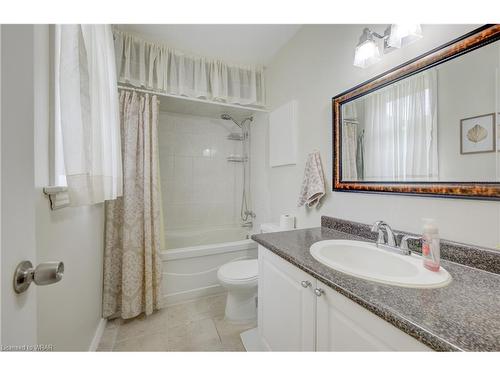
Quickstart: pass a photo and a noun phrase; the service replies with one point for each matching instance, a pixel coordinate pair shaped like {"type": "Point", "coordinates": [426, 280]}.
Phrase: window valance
{"type": "Point", "coordinates": [157, 67]}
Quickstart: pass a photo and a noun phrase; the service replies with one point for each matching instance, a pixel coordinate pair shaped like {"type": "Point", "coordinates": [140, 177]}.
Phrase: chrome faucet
{"type": "Point", "coordinates": [403, 245]}
{"type": "Point", "coordinates": [380, 226]}
{"type": "Point", "coordinates": [390, 244]}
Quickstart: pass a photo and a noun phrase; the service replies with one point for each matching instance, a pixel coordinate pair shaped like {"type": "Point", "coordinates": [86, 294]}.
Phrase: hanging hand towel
{"type": "Point", "coordinates": [313, 186]}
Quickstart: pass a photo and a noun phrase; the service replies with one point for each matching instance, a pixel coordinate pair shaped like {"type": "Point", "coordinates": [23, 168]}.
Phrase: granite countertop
{"type": "Point", "coordinates": [463, 316]}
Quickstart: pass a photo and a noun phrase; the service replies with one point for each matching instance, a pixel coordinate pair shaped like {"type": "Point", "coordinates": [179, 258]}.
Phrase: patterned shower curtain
{"type": "Point", "coordinates": [349, 151]}
{"type": "Point", "coordinates": [132, 267]}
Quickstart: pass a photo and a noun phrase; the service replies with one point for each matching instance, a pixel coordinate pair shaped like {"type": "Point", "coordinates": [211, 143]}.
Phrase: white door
{"type": "Point", "coordinates": [343, 325]}
{"type": "Point", "coordinates": [286, 305]}
{"type": "Point", "coordinates": [18, 311]}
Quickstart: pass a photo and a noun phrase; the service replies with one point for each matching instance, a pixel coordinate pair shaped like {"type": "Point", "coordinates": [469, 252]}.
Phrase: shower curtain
{"type": "Point", "coordinates": [132, 267]}
{"type": "Point", "coordinates": [349, 151]}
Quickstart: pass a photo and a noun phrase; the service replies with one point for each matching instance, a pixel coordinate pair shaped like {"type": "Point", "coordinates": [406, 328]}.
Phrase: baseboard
{"type": "Point", "coordinates": [174, 298]}
{"type": "Point", "coordinates": [98, 335]}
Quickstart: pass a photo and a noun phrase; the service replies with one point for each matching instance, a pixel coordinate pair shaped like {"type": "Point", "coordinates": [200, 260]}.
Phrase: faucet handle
{"type": "Point", "coordinates": [376, 225]}
{"type": "Point", "coordinates": [377, 228]}
{"type": "Point", "coordinates": [404, 241]}
{"type": "Point", "coordinates": [381, 237]}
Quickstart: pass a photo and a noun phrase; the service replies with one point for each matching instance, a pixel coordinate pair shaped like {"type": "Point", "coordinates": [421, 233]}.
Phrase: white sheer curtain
{"type": "Point", "coordinates": [401, 130]}
{"type": "Point", "coordinates": [349, 111]}
{"type": "Point", "coordinates": [87, 124]}
{"type": "Point", "coordinates": [155, 66]}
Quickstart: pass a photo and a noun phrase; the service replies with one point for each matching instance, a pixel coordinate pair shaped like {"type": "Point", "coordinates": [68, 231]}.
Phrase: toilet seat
{"type": "Point", "coordinates": [239, 272]}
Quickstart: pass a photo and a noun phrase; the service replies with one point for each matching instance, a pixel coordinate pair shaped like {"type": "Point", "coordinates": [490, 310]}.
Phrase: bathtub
{"type": "Point", "coordinates": [192, 258]}
{"type": "Point", "coordinates": [183, 238]}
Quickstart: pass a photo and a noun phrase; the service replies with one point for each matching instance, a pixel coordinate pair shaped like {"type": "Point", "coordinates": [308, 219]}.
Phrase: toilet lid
{"type": "Point", "coordinates": [240, 270]}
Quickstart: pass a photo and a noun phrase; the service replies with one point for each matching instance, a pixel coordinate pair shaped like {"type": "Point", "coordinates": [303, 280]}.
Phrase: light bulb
{"type": "Point", "coordinates": [366, 54]}
{"type": "Point", "coordinates": [404, 34]}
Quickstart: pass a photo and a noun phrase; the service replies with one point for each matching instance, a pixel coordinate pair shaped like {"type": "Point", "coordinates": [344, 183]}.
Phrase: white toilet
{"type": "Point", "coordinates": [240, 278]}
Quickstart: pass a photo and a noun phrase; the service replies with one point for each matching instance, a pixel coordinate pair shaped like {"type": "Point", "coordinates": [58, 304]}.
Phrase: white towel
{"type": "Point", "coordinates": [313, 186]}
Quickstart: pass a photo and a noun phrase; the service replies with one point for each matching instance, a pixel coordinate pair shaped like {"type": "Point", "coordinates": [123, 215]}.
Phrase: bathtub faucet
{"type": "Point", "coordinates": [249, 213]}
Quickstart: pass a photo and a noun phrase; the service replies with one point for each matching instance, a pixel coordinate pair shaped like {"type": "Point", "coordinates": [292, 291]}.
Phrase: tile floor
{"type": "Point", "coordinates": [196, 325]}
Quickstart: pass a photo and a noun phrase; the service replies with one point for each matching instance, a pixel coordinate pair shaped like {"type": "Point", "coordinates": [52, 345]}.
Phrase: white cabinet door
{"type": "Point", "coordinates": [286, 308]}
{"type": "Point", "coordinates": [343, 325]}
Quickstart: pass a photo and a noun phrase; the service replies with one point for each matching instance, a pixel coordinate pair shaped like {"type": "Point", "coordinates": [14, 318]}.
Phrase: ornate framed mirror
{"type": "Point", "coordinates": [429, 127]}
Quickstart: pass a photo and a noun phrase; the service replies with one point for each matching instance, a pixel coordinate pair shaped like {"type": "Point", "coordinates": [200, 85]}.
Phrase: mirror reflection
{"type": "Point", "coordinates": [441, 124]}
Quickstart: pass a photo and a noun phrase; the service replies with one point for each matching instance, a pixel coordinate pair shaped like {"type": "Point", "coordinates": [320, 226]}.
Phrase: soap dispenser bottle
{"type": "Point", "coordinates": [430, 245]}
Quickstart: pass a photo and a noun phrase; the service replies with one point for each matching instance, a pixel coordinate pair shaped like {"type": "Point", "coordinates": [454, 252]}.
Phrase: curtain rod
{"type": "Point", "coordinates": [164, 94]}
{"type": "Point", "coordinates": [121, 87]}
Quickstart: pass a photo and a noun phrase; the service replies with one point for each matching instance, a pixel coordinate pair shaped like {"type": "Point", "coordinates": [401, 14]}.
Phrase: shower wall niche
{"type": "Point", "coordinates": [200, 188]}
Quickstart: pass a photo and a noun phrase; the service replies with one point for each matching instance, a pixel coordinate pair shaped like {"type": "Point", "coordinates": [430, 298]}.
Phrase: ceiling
{"type": "Point", "coordinates": [240, 44]}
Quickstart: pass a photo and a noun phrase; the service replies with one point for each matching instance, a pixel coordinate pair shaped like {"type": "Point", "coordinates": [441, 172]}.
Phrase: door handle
{"type": "Point", "coordinates": [44, 274]}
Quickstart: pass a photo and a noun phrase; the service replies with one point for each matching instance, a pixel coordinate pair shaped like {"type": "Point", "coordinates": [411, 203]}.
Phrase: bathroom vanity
{"type": "Point", "coordinates": [297, 312]}
{"type": "Point", "coordinates": [307, 306]}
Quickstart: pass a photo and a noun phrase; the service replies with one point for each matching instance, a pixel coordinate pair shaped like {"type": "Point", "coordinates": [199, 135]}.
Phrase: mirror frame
{"type": "Point", "coordinates": [468, 190]}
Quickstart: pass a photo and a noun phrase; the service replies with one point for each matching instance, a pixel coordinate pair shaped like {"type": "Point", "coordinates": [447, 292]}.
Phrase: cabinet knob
{"type": "Point", "coordinates": [305, 283]}
{"type": "Point", "coordinates": [319, 292]}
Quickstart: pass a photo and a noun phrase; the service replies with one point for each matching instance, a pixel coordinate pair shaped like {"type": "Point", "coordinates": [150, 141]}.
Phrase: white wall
{"type": "Point", "coordinates": [317, 65]}
{"type": "Point", "coordinates": [259, 164]}
{"type": "Point", "coordinates": [69, 311]}
{"type": "Point", "coordinates": [466, 88]}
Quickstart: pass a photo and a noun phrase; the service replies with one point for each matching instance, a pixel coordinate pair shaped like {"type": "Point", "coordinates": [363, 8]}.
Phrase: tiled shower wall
{"type": "Point", "coordinates": [200, 188]}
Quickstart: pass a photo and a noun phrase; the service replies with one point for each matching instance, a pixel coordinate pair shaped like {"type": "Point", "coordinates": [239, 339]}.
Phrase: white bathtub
{"type": "Point", "coordinates": [183, 238]}
{"type": "Point", "coordinates": [192, 258]}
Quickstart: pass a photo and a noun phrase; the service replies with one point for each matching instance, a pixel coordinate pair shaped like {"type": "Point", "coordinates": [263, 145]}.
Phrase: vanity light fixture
{"type": "Point", "coordinates": [402, 35]}
{"type": "Point", "coordinates": [367, 52]}
{"type": "Point", "coordinates": [395, 36]}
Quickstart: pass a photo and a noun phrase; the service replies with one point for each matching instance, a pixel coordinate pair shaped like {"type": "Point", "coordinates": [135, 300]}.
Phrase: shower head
{"type": "Point", "coordinates": [226, 116]}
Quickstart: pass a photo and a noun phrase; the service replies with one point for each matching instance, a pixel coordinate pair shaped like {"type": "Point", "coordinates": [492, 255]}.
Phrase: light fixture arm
{"type": "Point", "coordinates": [375, 34]}
{"type": "Point", "coordinates": [385, 37]}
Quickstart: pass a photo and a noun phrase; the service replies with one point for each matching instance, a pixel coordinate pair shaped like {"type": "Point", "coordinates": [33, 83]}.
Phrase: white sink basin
{"type": "Point", "coordinates": [365, 260]}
